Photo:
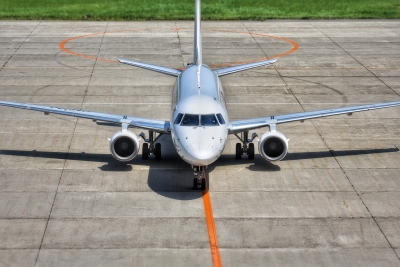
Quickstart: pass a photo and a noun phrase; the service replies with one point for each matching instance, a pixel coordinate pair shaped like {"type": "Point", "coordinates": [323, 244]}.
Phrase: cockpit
{"type": "Point", "coordinates": [197, 120]}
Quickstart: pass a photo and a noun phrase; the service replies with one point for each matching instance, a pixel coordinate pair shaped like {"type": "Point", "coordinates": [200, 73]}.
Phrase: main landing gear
{"type": "Point", "coordinates": [246, 147]}
{"type": "Point", "coordinates": [150, 147]}
{"type": "Point", "coordinates": [199, 182]}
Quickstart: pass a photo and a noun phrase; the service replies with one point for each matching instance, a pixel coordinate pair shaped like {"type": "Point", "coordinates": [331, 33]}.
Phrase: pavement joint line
{"type": "Point", "coordinates": [52, 205]}
{"type": "Point", "coordinates": [337, 161]}
{"type": "Point", "coordinates": [373, 217]}
{"type": "Point", "coordinates": [331, 151]}
{"type": "Point", "coordinates": [180, 44]}
{"type": "Point", "coordinates": [341, 167]}
{"type": "Point", "coordinates": [16, 50]}
{"type": "Point", "coordinates": [66, 157]}
{"type": "Point", "coordinates": [373, 74]}
{"type": "Point", "coordinates": [274, 66]}
{"type": "Point", "coordinates": [344, 98]}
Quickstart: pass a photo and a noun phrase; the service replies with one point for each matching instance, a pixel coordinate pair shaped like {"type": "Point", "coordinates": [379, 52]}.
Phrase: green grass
{"type": "Point", "coordinates": [184, 9]}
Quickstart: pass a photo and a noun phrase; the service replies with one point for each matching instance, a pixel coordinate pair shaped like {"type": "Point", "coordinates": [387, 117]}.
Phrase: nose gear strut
{"type": "Point", "coordinates": [199, 182]}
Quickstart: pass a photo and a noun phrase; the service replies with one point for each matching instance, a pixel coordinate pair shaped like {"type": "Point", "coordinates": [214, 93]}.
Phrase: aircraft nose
{"type": "Point", "coordinates": [202, 151]}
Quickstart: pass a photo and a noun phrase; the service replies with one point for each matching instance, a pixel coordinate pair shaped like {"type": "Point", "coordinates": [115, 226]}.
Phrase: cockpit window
{"type": "Point", "coordinates": [208, 120]}
{"type": "Point", "coordinates": [178, 118]}
{"type": "Point", "coordinates": [190, 120]}
{"type": "Point", "coordinates": [220, 118]}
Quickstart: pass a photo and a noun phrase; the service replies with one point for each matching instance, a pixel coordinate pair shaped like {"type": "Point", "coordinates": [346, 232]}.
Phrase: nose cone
{"type": "Point", "coordinates": [202, 151]}
{"type": "Point", "coordinates": [201, 154]}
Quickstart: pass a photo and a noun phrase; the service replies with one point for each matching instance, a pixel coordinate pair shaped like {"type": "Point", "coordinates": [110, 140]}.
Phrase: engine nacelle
{"type": "Point", "coordinates": [273, 146]}
{"type": "Point", "coordinates": [124, 145]}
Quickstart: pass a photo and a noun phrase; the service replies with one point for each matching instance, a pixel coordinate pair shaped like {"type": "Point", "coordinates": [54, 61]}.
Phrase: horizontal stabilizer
{"type": "Point", "coordinates": [161, 69]}
{"type": "Point", "coordinates": [233, 69]}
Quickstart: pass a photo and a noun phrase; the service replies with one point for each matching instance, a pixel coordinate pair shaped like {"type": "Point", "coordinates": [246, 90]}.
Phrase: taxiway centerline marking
{"type": "Point", "coordinates": [212, 233]}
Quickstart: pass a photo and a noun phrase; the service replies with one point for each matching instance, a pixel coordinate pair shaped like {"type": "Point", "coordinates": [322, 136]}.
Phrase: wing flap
{"type": "Point", "coordinates": [148, 124]}
{"type": "Point", "coordinates": [250, 124]}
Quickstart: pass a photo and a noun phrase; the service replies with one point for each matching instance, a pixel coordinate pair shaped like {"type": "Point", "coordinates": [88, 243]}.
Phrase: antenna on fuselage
{"type": "Point", "coordinates": [197, 54]}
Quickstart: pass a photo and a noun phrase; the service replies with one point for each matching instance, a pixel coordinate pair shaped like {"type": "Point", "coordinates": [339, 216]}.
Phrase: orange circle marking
{"type": "Point", "coordinates": [295, 46]}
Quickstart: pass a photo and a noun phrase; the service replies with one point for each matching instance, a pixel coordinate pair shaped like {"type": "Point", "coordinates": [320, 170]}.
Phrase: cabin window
{"type": "Point", "coordinates": [190, 120]}
{"type": "Point", "coordinates": [220, 118]}
{"type": "Point", "coordinates": [208, 120]}
{"type": "Point", "coordinates": [178, 118]}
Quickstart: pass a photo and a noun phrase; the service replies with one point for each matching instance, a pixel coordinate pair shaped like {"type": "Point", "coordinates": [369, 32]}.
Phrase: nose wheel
{"type": "Point", "coordinates": [199, 182]}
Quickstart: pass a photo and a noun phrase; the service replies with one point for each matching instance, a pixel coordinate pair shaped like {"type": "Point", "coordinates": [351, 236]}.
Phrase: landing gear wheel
{"type": "Point", "coordinates": [203, 184]}
{"type": "Point", "coordinates": [145, 151]}
{"type": "Point", "coordinates": [250, 151]}
{"type": "Point", "coordinates": [157, 151]}
{"type": "Point", "coordinates": [238, 151]}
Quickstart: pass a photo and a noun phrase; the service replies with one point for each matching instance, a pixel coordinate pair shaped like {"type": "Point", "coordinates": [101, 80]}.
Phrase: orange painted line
{"type": "Point", "coordinates": [295, 46]}
{"type": "Point", "coordinates": [66, 50]}
{"type": "Point", "coordinates": [293, 43]}
{"type": "Point", "coordinates": [212, 233]}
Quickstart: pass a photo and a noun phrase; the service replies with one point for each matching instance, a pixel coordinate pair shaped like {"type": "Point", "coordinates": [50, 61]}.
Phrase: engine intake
{"type": "Point", "coordinates": [273, 146]}
{"type": "Point", "coordinates": [124, 145]}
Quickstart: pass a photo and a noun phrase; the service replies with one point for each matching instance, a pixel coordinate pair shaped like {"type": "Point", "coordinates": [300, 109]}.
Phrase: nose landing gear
{"type": "Point", "coordinates": [199, 182]}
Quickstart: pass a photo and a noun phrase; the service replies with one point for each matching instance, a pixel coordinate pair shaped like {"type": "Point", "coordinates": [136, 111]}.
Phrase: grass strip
{"type": "Point", "coordinates": [184, 9]}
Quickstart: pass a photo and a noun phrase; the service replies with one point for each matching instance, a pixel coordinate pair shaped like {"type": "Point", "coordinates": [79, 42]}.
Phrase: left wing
{"type": "Point", "coordinates": [148, 124]}
{"type": "Point", "coordinates": [250, 124]}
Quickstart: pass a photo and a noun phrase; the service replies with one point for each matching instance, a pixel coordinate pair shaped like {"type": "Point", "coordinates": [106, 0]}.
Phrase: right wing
{"type": "Point", "coordinates": [161, 69]}
{"type": "Point", "coordinates": [159, 126]}
{"type": "Point", "coordinates": [233, 69]}
{"type": "Point", "coordinates": [250, 124]}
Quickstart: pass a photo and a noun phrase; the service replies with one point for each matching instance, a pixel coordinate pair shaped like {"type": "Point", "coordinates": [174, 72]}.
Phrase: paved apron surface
{"type": "Point", "coordinates": [333, 201]}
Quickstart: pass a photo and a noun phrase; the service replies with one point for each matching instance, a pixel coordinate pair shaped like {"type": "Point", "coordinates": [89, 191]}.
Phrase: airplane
{"type": "Point", "coordinates": [199, 124]}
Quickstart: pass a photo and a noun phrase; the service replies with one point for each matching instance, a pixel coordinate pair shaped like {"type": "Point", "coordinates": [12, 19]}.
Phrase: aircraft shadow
{"type": "Point", "coordinates": [172, 177]}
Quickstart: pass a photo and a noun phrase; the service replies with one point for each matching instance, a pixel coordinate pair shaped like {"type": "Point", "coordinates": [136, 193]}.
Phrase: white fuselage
{"type": "Point", "coordinates": [199, 134]}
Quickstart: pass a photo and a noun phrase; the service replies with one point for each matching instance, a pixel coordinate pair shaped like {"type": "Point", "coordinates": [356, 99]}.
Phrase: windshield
{"type": "Point", "coordinates": [190, 120]}
{"type": "Point", "coordinates": [220, 118]}
{"type": "Point", "coordinates": [199, 120]}
{"type": "Point", "coordinates": [178, 118]}
{"type": "Point", "coordinates": [208, 120]}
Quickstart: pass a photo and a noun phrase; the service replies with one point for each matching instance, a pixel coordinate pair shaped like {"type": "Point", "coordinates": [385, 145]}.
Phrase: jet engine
{"type": "Point", "coordinates": [273, 146]}
{"type": "Point", "coordinates": [124, 145]}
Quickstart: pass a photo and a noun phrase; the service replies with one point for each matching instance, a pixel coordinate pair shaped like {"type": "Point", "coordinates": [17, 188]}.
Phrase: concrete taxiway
{"type": "Point", "coordinates": [333, 201]}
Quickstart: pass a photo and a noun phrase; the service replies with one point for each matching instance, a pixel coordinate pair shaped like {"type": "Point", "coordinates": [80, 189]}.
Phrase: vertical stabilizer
{"type": "Point", "coordinates": [197, 54]}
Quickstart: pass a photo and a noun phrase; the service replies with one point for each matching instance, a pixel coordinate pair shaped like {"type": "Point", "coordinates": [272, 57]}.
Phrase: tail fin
{"type": "Point", "coordinates": [197, 54]}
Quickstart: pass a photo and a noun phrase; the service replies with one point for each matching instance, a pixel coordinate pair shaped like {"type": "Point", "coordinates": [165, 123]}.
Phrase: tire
{"type": "Point", "coordinates": [203, 184]}
{"type": "Point", "coordinates": [195, 183]}
{"type": "Point", "coordinates": [250, 151]}
{"type": "Point", "coordinates": [238, 151]}
{"type": "Point", "coordinates": [157, 151]}
{"type": "Point", "coordinates": [145, 151]}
